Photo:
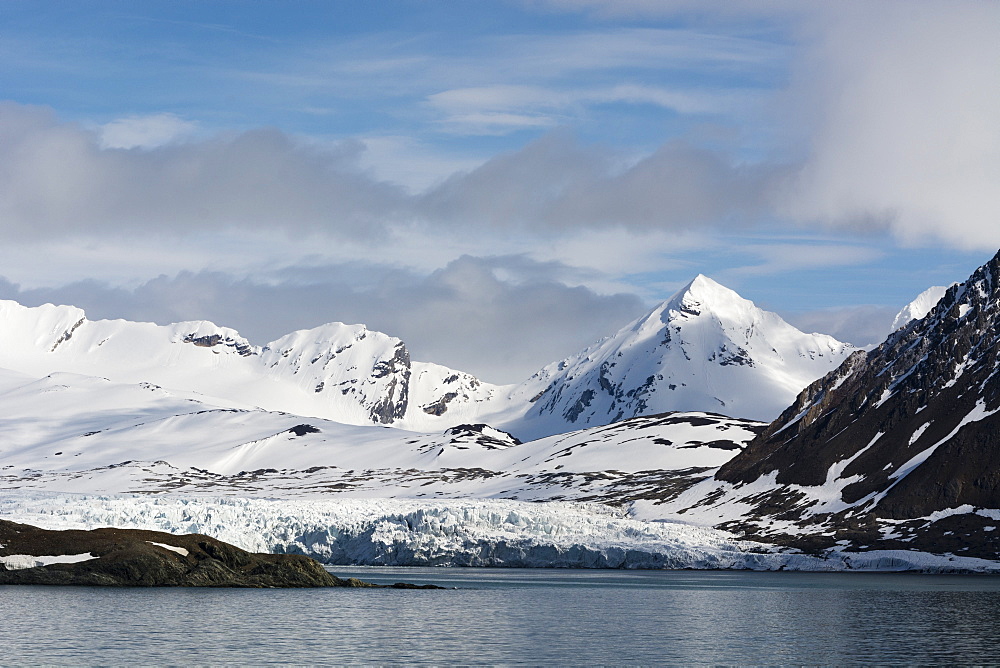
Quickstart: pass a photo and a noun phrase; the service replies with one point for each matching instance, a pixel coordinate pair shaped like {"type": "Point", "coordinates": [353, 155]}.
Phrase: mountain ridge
{"type": "Point", "coordinates": [347, 372]}
{"type": "Point", "coordinates": [705, 348]}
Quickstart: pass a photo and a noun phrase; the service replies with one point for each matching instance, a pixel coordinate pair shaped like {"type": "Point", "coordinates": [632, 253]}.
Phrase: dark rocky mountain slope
{"type": "Point", "coordinates": [897, 448]}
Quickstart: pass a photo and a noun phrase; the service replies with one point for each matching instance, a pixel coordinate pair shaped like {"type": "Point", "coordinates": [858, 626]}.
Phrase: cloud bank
{"type": "Point", "coordinates": [894, 106]}
{"type": "Point", "coordinates": [56, 180]}
{"type": "Point", "coordinates": [61, 179]}
{"type": "Point", "coordinates": [470, 315]}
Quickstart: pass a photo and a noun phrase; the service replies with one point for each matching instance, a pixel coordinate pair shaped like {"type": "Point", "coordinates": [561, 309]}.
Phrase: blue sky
{"type": "Point", "coordinates": [497, 183]}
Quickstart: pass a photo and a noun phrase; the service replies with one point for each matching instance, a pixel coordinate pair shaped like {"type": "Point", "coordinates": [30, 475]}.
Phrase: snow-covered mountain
{"type": "Point", "coordinates": [896, 449]}
{"type": "Point", "coordinates": [893, 450]}
{"type": "Point", "coordinates": [339, 372]}
{"type": "Point", "coordinates": [706, 349]}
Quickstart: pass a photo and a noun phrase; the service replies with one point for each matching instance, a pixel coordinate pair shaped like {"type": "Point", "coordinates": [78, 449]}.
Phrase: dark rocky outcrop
{"type": "Point", "coordinates": [211, 340]}
{"type": "Point", "coordinates": [481, 434]}
{"type": "Point", "coordinates": [132, 557]}
{"type": "Point", "coordinates": [392, 405]}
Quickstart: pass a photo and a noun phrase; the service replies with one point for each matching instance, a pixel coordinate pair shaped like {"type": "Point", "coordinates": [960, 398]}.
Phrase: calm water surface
{"type": "Point", "coordinates": [519, 616]}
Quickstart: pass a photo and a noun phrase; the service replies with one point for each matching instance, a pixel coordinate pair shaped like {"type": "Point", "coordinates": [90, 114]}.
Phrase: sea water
{"type": "Point", "coordinates": [512, 616]}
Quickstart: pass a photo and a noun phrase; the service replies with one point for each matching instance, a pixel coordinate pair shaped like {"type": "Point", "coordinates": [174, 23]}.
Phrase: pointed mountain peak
{"type": "Point", "coordinates": [700, 295]}
{"type": "Point", "coordinates": [701, 281]}
{"type": "Point", "coordinates": [704, 290]}
{"type": "Point", "coordinates": [700, 284]}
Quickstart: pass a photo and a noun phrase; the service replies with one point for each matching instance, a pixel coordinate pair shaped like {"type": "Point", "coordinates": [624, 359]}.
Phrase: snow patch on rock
{"type": "Point", "coordinates": [179, 550]}
{"type": "Point", "coordinates": [14, 562]}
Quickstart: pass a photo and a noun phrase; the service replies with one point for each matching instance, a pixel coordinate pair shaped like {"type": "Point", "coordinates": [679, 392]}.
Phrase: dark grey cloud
{"type": "Point", "coordinates": [466, 315]}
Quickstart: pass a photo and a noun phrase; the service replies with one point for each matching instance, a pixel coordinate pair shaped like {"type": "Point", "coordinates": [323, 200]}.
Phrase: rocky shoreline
{"type": "Point", "coordinates": [138, 558]}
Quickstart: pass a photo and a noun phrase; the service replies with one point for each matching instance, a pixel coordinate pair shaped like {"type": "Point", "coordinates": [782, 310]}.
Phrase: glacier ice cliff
{"type": "Point", "coordinates": [397, 532]}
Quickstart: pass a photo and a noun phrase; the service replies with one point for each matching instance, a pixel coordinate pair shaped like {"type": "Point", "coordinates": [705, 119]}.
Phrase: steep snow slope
{"type": "Point", "coordinates": [706, 349]}
{"type": "Point", "coordinates": [919, 307]}
{"type": "Point", "coordinates": [341, 372]}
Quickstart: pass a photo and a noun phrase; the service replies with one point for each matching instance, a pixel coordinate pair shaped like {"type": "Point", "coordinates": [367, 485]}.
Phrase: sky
{"type": "Point", "coordinates": [499, 184]}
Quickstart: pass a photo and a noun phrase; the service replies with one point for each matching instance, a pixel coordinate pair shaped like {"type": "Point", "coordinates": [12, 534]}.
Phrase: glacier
{"type": "Point", "coordinates": [482, 532]}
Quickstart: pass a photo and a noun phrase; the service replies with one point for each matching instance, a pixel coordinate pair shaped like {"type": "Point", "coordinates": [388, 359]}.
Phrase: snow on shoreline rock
{"type": "Point", "coordinates": [395, 532]}
{"type": "Point", "coordinates": [16, 562]}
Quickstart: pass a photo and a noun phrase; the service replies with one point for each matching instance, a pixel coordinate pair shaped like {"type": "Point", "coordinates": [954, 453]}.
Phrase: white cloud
{"type": "Point", "coordinates": [56, 180]}
{"type": "Point", "coordinates": [494, 123]}
{"type": "Point", "coordinates": [411, 163]}
{"type": "Point", "coordinates": [557, 184]}
{"type": "Point", "coordinates": [506, 108]}
{"type": "Point", "coordinates": [145, 131]}
{"type": "Point", "coordinates": [716, 12]}
{"type": "Point", "coordinates": [905, 98]}
{"type": "Point", "coordinates": [634, 49]}
{"type": "Point", "coordinates": [679, 100]}
{"type": "Point", "coordinates": [891, 113]}
{"type": "Point", "coordinates": [615, 253]}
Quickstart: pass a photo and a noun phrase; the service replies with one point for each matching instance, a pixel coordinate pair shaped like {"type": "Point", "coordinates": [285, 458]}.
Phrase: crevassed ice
{"type": "Point", "coordinates": [467, 532]}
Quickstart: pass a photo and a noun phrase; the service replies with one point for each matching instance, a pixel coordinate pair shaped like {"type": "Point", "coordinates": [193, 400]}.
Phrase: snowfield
{"type": "Point", "coordinates": [397, 532]}
{"type": "Point", "coordinates": [74, 433]}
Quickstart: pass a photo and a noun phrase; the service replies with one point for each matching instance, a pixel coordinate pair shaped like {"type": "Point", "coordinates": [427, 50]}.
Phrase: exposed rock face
{"type": "Point", "coordinates": [392, 405]}
{"type": "Point", "coordinates": [239, 344]}
{"type": "Point", "coordinates": [898, 447]}
{"type": "Point", "coordinates": [132, 557]}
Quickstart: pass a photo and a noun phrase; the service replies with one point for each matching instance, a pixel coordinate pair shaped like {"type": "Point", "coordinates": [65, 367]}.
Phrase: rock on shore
{"type": "Point", "coordinates": [132, 557]}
